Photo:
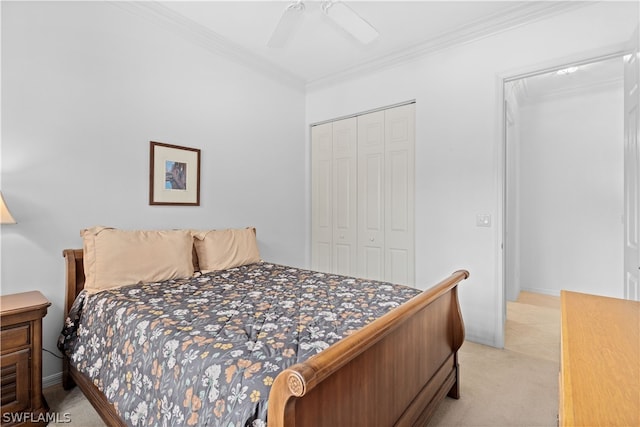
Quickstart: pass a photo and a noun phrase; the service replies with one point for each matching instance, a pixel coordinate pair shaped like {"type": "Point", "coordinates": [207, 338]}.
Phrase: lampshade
{"type": "Point", "coordinates": [5, 215]}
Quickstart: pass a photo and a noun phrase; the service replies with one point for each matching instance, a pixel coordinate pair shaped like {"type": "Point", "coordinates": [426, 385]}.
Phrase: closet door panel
{"type": "Point", "coordinates": [345, 193]}
{"type": "Point", "coordinates": [399, 265]}
{"type": "Point", "coordinates": [373, 203]}
{"type": "Point", "coordinates": [371, 166]}
{"type": "Point", "coordinates": [399, 194]}
{"type": "Point", "coordinates": [343, 259]}
{"type": "Point", "coordinates": [322, 197]}
{"type": "Point", "coordinates": [372, 260]}
{"type": "Point", "coordinates": [324, 189]}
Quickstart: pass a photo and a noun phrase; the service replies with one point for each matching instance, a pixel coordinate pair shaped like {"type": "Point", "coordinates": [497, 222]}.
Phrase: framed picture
{"type": "Point", "coordinates": [174, 176]}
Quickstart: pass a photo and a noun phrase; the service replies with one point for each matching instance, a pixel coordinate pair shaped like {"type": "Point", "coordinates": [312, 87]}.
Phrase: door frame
{"type": "Point", "coordinates": [617, 50]}
{"type": "Point", "coordinates": [631, 259]}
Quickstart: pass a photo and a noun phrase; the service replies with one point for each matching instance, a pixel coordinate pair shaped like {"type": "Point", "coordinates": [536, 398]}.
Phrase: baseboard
{"type": "Point", "coordinates": [552, 292]}
{"type": "Point", "coordinates": [52, 380]}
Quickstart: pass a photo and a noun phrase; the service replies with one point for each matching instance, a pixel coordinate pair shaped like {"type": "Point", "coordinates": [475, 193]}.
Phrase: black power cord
{"type": "Point", "coordinates": [53, 354]}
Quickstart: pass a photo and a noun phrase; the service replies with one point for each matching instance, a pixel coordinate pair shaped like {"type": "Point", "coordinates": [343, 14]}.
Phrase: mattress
{"type": "Point", "coordinates": [205, 350]}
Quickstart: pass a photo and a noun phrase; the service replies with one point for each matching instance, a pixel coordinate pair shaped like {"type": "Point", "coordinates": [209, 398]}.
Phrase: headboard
{"type": "Point", "coordinates": [74, 277]}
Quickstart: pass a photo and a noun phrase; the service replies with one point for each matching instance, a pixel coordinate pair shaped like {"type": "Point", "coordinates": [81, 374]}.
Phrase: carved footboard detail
{"type": "Point", "coordinates": [411, 350]}
{"type": "Point", "coordinates": [296, 384]}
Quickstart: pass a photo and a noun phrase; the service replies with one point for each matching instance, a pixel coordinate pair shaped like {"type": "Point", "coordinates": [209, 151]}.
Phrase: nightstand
{"type": "Point", "coordinates": [21, 358]}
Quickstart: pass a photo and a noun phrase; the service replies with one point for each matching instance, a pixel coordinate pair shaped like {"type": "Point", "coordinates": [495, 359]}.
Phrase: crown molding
{"type": "Point", "coordinates": [168, 19]}
{"type": "Point", "coordinates": [508, 19]}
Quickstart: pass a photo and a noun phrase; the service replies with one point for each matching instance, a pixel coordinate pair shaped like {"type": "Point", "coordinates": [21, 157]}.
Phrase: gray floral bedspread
{"type": "Point", "coordinates": [205, 350]}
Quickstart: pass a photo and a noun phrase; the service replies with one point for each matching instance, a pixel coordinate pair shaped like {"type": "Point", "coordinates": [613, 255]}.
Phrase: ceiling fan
{"type": "Point", "coordinates": [339, 12]}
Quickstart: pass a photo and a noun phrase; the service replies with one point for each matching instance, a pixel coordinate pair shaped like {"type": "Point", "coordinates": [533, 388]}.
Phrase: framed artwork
{"type": "Point", "coordinates": [174, 175]}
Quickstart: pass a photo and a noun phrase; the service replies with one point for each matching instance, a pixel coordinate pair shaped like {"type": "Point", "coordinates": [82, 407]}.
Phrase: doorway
{"type": "Point", "coordinates": [563, 180]}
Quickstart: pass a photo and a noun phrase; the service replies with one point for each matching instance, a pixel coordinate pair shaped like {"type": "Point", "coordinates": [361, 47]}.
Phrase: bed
{"type": "Point", "coordinates": [394, 370]}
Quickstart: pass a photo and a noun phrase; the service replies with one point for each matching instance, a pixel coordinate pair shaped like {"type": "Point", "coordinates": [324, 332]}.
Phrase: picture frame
{"type": "Point", "coordinates": [174, 175]}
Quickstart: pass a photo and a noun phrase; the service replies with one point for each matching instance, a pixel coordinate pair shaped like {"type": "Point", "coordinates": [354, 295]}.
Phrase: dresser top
{"type": "Point", "coordinates": [600, 348]}
{"type": "Point", "coordinates": [24, 301]}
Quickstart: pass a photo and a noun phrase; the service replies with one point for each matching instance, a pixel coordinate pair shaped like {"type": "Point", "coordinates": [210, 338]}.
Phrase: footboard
{"type": "Point", "coordinates": [394, 371]}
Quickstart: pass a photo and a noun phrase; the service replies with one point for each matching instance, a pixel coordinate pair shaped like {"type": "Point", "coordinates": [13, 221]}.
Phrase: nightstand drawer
{"type": "Point", "coordinates": [15, 381]}
{"type": "Point", "coordinates": [15, 337]}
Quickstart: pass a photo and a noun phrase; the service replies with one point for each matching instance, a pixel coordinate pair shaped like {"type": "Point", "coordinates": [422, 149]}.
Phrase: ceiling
{"type": "Point", "coordinates": [320, 51]}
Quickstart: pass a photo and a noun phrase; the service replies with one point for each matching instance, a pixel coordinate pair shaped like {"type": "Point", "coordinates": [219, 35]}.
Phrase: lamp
{"type": "Point", "coordinates": [5, 215]}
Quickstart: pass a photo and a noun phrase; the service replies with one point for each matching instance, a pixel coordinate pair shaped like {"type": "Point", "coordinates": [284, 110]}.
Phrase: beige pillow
{"type": "Point", "coordinates": [114, 258]}
{"type": "Point", "coordinates": [222, 249]}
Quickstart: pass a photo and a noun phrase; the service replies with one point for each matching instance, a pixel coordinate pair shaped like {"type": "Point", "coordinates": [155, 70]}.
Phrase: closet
{"type": "Point", "coordinates": [362, 203]}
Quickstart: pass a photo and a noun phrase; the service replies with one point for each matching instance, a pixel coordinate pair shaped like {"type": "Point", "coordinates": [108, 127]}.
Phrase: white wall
{"type": "Point", "coordinates": [571, 193]}
{"type": "Point", "coordinates": [458, 141]}
{"type": "Point", "coordinates": [85, 87]}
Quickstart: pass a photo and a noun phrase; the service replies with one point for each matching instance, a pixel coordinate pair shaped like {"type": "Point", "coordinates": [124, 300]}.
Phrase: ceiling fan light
{"type": "Point", "coordinates": [565, 71]}
{"type": "Point", "coordinates": [289, 21]}
{"type": "Point", "coordinates": [350, 21]}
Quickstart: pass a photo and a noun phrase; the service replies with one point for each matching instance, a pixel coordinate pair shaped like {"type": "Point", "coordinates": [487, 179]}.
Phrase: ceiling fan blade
{"type": "Point", "coordinates": [289, 20]}
{"type": "Point", "coordinates": [350, 21]}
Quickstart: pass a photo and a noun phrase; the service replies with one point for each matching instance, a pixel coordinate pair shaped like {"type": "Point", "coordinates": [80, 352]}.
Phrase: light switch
{"type": "Point", "coordinates": [483, 220]}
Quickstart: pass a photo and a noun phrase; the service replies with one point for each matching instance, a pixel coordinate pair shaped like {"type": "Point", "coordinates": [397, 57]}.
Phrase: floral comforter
{"type": "Point", "coordinates": [205, 350]}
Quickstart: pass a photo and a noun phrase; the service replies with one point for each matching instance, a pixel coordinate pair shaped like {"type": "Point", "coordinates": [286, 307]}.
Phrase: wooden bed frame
{"type": "Point", "coordinates": [392, 372]}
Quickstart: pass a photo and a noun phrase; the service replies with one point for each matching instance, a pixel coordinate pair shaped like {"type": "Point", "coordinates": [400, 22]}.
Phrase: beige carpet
{"type": "Point", "coordinates": [517, 386]}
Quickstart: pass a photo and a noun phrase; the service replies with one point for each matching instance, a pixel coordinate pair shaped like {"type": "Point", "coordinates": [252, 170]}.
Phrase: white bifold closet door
{"type": "Point", "coordinates": [322, 197]}
{"type": "Point", "coordinates": [371, 192]}
{"type": "Point", "coordinates": [334, 197]}
{"type": "Point", "coordinates": [363, 195]}
{"type": "Point", "coordinates": [345, 197]}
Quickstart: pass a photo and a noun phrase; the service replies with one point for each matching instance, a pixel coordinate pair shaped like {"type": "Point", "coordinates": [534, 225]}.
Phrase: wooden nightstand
{"type": "Point", "coordinates": [21, 358]}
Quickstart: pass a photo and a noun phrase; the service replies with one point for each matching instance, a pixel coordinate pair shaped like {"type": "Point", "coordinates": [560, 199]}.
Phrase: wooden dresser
{"type": "Point", "coordinates": [21, 358]}
{"type": "Point", "coordinates": [600, 361]}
